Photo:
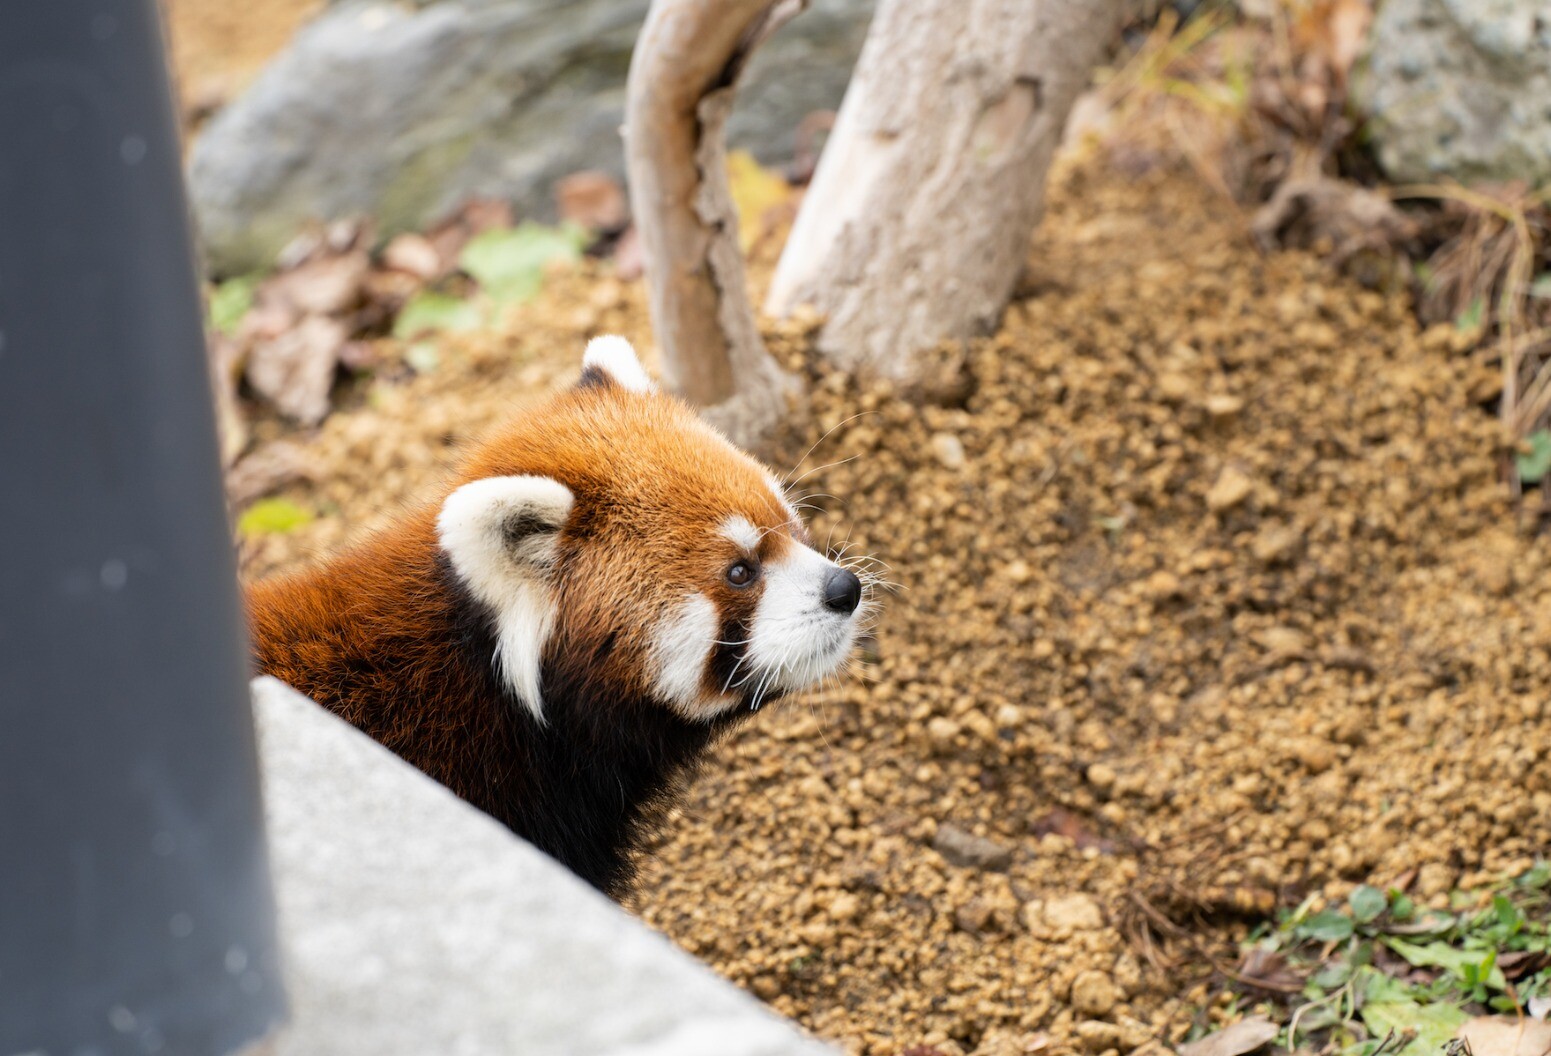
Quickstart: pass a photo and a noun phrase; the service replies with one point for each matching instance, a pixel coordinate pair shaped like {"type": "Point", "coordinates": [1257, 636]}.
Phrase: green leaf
{"type": "Point", "coordinates": [1370, 984]}
{"type": "Point", "coordinates": [1401, 906]}
{"type": "Point", "coordinates": [1332, 975]}
{"type": "Point", "coordinates": [1326, 926]}
{"type": "Point", "coordinates": [755, 192]}
{"type": "Point", "coordinates": [510, 263]}
{"type": "Point", "coordinates": [1538, 876]}
{"type": "Point", "coordinates": [273, 517]}
{"type": "Point", "coordinates": [1318, 1018]}
{"type": "Point", "coordinates": [1471, 318]}
{"type": "Point", "coordinates": [1469, 966]}
{"type": "Point", "coordinates": [428, 311]}
{"type": "Point", "coordinates": [1434, 1024]}
{"type": "Point", "coordinates": [1507, 915]}
{"type": "Point", "coordinates": [1290, 920]}
{"type": "Point", "coordinates": [423, 357]}
{"type": "Point", "coordinates": [1367, 903]}
{"type": "Point", "coordinates": [230, 301]}
{"type": "Point", "coordinates": [1535, 463]}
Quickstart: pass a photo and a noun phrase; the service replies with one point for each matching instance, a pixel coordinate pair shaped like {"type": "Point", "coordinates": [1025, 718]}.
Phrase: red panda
{"type": "Point", "coordinates": [602, 588]}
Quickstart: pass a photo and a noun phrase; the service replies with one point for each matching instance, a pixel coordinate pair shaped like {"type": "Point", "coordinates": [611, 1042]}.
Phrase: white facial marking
{"type": "Point", "coordinates": [615, 357]}
{"type": "Point", "coordinates": [779, 491]}
{"type": "Point", "coordinates": [680, 647]}
{"type": "Point", "coordinates": [741, 532]}
{"type": "Point", "coordinates": [796, 640]}
{"type": "Point", "coordinates": [501, 535]}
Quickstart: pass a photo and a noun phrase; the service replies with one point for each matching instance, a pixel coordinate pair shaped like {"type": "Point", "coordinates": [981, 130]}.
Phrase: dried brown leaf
{"type": "Point", "coordinates": [1064, 823]}
{"type": "Point", "coordinates": [485, 214]}
{"type": "Point", "coordinates": [476, 215]}
{"type": "Point", "coordinates": [1516, 964]}
{"type": "Point", "coordinates": [266, 320]}
{"type": "Point", "coordinates": [1246, 1035]}
{"type": "Point", "coordinates": [295, 370]}
{"type": "Point", "coordinates": [1332, 34]}
{"type": "Point", "coordinates": [1268, 970]}
{"type": "Point", "coordinates": [593, 200]}
{"type": "Point", "coordinates": [324, 285]}
{"type": "Point", "coordinates": [265, 470]}
{"type": "Point", "coordinates": [415, 255]}
{"type": "Point", "coordinates": [1507, 1036]}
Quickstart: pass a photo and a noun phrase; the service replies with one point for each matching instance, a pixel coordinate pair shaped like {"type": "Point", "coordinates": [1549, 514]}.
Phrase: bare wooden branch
{"type": "Point", "coordinates": [680, 91]}
{"type": "Point", "coordinates": [917, 223]}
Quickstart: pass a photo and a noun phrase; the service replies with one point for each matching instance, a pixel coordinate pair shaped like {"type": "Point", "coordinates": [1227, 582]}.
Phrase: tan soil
{"type": "Point", "coordinates": [1208, 592]}
{"type": "Point", "coordinates": [218, 46]}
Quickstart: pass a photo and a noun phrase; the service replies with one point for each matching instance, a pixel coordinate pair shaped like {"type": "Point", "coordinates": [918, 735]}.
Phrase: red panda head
{"type": "Point", "coordinates": [620, 543]}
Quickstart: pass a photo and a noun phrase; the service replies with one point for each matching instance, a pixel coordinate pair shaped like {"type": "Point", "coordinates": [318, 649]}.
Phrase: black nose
{"type": "Point", "coordinates": [842, 592]}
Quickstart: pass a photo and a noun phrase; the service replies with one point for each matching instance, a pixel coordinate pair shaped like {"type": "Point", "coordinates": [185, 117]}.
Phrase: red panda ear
{"type": "Point", "coordinates": [612, 359]}
{"type": "Point", "coordinates": [502, 535]}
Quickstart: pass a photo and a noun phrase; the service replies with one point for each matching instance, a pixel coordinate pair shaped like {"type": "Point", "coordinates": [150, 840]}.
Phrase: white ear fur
{"type": "Point", "coordinates": [615, 357]}
{"type": "Point", "coordinates": [501, 535]}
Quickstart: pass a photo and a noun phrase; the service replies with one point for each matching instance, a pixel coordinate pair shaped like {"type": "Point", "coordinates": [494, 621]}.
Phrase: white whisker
{"type": "Point", "coordinates": [814, 446]}
{"type": "Point", "coordinates": [820, 469]}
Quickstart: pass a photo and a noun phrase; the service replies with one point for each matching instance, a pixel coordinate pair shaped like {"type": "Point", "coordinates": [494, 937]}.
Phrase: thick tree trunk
{"type": "Point", "coordinates": [918, 221]}
{"type": "Point", "coordinates": [680, 91]}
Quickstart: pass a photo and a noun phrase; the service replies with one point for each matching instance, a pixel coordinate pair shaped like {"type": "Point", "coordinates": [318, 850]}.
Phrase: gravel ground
{"type": "Point", "coordinates": [219, 46]}
{"type": "Point", "coordinates": [1209, 599]}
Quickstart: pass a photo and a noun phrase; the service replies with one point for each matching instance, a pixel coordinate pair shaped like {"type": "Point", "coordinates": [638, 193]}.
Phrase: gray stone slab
{"type": "Point", "coordinates": [399, 112]}
{"type": "Point", "coordinates": [411, 923]}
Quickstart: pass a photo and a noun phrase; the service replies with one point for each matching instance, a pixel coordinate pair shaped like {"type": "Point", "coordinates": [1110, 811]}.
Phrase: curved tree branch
{"type": "Point", "coordinates": [680, 91]}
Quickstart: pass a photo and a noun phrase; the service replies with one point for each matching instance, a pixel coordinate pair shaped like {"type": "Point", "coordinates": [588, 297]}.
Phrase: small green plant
{"type": "Point", "coordinates": [429, 312]}
{"type": "Point", "coordinates": [1379, 973]}
{"type": "Point", "coordinates": [1535, 462]}
{"type": "Point", "coordinates": [273, 517]}
{"type": "Point", "coordinates": [1473, 317]}
{"type": "Point", "coordinates": [230, 301]}
{"type": "Point", "coordinates": [509, 264]}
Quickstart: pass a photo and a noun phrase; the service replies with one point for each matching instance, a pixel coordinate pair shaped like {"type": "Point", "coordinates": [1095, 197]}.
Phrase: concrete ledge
{"type": "Point", "coordinates": [412, 923]}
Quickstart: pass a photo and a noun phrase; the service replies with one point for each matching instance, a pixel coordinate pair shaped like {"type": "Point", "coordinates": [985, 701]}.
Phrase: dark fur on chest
{"type": "Point", "coordinates": [406, 655]}
{"type": "Point", "coordinates": [588, 783]}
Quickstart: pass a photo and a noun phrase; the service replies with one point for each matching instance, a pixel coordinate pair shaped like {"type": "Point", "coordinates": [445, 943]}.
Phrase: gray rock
{"type": "Point", "coordinates": [1460, 88]}
{"type": "Point", "coordinates": [411, 923]}
{"type": "Point", "coordinates": [966, 849]}
{"type": "Point", "coordinates": [400, 111]}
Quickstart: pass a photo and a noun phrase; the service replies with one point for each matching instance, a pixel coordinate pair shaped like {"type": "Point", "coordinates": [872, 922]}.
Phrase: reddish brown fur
{"type": "Point", "coordinates": [385, 636]}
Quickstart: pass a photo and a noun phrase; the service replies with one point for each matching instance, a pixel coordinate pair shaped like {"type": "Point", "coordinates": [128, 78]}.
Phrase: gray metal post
{"type": "Point", "coordinates": [135, 907]}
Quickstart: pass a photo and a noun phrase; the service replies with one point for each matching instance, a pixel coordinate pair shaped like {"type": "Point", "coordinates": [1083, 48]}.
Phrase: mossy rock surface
{"type": "Point", "coordinates": [399, 112]}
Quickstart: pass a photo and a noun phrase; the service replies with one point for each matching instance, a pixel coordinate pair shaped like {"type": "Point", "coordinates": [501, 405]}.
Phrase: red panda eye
{"type": "Point", "coordinates": [741, 574]}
